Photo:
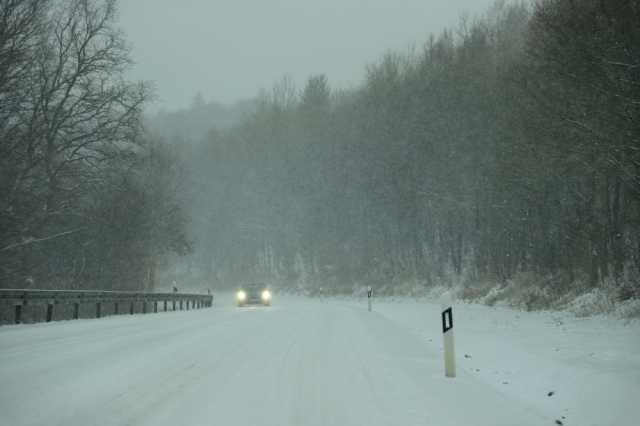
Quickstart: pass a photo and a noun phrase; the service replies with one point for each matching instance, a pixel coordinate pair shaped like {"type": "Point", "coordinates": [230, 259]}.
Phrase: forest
{"type": "Point", "coordinates": [87, 197]}
{"type": "Point", "coordinates": [502, 152]}
{"type": "Point", "coordinates": [506, 148]}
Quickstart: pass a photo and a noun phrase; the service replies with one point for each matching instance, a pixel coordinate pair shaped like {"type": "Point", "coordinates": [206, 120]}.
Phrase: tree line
{"type": "Point", "coordinates": [87, 196]}
{"type": "Point", "coordinates": [508, 146]}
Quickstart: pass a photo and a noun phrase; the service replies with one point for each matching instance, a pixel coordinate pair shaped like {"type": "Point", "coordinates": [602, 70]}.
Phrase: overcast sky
{"type": "Point", "coordinates": [230, 49]}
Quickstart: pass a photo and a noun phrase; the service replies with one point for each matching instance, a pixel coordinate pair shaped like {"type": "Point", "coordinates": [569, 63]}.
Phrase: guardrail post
{"type": "Point", "coordinates": [18, 314]}
{"type": "Point", "coordinates": [155, 306]}
{"type": "Point", "coordinates": [76, 310]}
{"type": "Point", "coordinates": [165, 305]}
{"type": "Point", "coordinates": [115, 308]}
{"type": "Point", "coordinates": [49, 311]}
{"type": "Point", "coordinates": [131, 308]}
{"type": "Point", "coordinates": [98, 309]}
{"type": "Point", "coordinates": [174, 304]}
{"type": "Point", "coordinates": [188, 303]}
{"type": "Point", "coordinates": [144, 306]}
{"type": "Point", "coordinates": [180, 304]}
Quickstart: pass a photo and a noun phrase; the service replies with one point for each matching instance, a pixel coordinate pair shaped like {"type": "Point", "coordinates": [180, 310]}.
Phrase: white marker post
{"type": "Point", "coordinates": [369, 294]}
{"type": "Point", "coordinates": [447, 332]}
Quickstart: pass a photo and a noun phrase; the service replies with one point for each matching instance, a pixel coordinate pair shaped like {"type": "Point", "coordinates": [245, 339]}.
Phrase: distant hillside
{"type": "Point", "coordinates": [192, 124]}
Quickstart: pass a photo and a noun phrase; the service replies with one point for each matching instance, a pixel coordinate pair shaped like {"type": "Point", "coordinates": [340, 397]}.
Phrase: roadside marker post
{"type": "Point", "coordinates": [447, 332]}
{"type": "Point", "coordinates": [369, 296]}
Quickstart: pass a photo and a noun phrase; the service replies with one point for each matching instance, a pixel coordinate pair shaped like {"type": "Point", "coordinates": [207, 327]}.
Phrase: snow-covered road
{"type": "Point", "coordinates": [301, 362]}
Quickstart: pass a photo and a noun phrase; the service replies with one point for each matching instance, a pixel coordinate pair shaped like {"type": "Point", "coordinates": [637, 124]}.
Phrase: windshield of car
{"type": "Point", "coordinates": [319, 212]}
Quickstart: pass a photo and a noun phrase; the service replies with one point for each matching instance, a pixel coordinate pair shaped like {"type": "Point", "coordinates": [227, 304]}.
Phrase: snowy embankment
{"type": "Point", "coordinates": [581, 371]}
{"type": "Point", "coordinates": [320, 362]}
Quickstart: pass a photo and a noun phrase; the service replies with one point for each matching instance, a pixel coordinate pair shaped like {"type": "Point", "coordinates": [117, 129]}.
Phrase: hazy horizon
{"type": "Point", "coordinates": [230, 50]}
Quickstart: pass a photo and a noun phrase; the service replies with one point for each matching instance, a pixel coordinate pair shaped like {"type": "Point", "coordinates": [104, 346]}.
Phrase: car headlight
{"type": "Point", "coordinates": [241, 295]}
{"type": "Point", "coordinates": [266, 295]}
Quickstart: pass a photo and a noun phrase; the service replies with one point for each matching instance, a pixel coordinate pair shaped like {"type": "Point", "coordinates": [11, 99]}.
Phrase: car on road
{"type": "Point", "coordinates": [253, 294]}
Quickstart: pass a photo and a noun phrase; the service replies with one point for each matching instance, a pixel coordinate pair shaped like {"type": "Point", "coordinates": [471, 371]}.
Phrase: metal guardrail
{"type": "Point", "coordinates": [119, 300]}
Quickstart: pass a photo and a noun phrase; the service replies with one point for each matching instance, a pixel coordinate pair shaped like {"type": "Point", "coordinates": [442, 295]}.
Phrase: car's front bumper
{"type": "Point", "coordinates": [254, 302]}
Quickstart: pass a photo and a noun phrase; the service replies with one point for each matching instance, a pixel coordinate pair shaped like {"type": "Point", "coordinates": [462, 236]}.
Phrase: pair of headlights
{"type": "Point", "coordinates": [242, 295]}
